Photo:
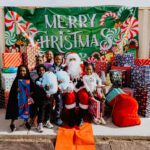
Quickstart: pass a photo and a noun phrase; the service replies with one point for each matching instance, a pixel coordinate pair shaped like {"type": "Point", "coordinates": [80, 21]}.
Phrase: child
{"type": "Point", "coordinates": [39, 60]}
{"type": "Point", "coordinates": [49, 59]}
{"type": "Point", "coordinates": [13, 108]}
{"type": "Point", "coordinates": [44, 103]}
{"type": "Point", "coordinates": [57, 66]}
{"type": "Point", "coordinates": [93, 85]}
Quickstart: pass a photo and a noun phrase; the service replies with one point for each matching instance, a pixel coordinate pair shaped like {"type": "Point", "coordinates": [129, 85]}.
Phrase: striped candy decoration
{"type": "Point", "coordinates": [107, 14]}
{"type": "Point", "coordinates": [14, 22]}
{"type": "Point", "coordinates": [130, 27]}
{"type": "Point", "coordinates": [30, 30]}
{"type": "Point", "coordinates": [11, 59]}
{"type": "Point", "coordinates": [10, 38]}
{"type": "Point", "coordinates": [142, 62]}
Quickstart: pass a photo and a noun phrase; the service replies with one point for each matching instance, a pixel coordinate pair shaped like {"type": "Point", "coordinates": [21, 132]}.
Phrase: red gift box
{"type": "Point", "coordinates": [100, 66]}
{"type": "Point", "coordinates": [142, 62]}
{"type": "Point", "coordinates": [12, 59]}
{"type": "Point", "coordinates": [128, 73]}
{"type": "Point", "coordinates": [94, 107]}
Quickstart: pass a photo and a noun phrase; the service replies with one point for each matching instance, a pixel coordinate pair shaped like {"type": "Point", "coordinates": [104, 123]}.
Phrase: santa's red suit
{"type": "Point", "coordinates": [76, 71]}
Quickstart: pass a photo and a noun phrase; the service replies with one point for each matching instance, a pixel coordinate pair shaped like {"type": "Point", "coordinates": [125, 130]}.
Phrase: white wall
{"type": "Point", "coordinates": [74, 3]}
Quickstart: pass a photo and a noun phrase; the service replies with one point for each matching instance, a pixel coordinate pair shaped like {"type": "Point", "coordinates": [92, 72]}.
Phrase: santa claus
{"type": "Point", "coordinates": [76, 71]}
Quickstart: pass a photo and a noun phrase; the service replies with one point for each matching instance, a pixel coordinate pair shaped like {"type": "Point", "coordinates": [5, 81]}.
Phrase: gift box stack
{"type": "Point", "coordinates": [120, 73]}
{"type": "Point", "coordinates": [142, 94]}
{"type": "Point", "coordinates": [140, 80]}
{"type": "Point", "coordinates": [6, 83]}
{"type": "Point", "coordinates": [12, 58]}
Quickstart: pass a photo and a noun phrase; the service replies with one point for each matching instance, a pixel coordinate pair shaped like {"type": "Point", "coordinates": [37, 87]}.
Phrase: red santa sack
{"type": "Point", "coordinates": [125, 111]}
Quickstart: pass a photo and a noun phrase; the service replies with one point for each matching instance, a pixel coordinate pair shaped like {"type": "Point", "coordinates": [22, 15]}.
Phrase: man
{"type": "Point", "coordinates": [76, 71]}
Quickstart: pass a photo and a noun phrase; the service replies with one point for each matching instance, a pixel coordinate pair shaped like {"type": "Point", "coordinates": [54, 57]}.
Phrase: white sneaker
{"type": "Point", "coordinates": [48, 125]}
{"type": "Point", "coordinates": [96, 120]}
{"type": "Point", "coordinates": [102, 121]}
{"type": "Point", "coordinates": [40, 127]}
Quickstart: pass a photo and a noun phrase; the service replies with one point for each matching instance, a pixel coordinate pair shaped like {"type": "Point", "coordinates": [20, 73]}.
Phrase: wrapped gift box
{"type": "Point", "coordinates": [129, 91]}
{"type": "Point", "coordinates": [29, 58]}
{"type": "Point", "coordinates": [12, 59]}
{"type": "Point", "coordinates": [118, 78]}
{"type": "Point", "coordinates": [142, 95]}
{"type": "Point", "coordinates": [126, 59]}
{"type": "Point", "coordinates": [113, 93]}
{"type": "Point", "coordinates": [142, 62]}
{"type": "Point", "coordinates": [7, 80]}
{"type": "Point", "coordinates": [94, 107]}
{"type": "Point", "coordinates": [101, 66]}
{"type": "Point", "coordinates": [140, 75]}
{"type": "Point", "coordinates": [128, 73]}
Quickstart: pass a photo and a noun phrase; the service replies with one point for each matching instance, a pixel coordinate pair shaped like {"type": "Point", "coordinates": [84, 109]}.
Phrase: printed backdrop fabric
{"type": "Point", "coordinates": [86, 30]}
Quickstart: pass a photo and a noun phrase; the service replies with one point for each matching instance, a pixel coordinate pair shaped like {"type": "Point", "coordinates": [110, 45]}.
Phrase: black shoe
{"type": "Point", "coordinates": [27, 125]}
{"type": "Point", "coordinates": [12, 127]}
{"type": "Point", "coordinates": [72, 117]}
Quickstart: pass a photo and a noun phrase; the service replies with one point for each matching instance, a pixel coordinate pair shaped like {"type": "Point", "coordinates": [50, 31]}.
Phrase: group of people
{"type": "Point", "coordinates": [87, 84]}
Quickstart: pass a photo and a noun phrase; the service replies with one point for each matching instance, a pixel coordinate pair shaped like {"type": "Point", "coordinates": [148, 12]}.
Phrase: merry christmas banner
{"type": "Point", "coordinates": [90, 31]}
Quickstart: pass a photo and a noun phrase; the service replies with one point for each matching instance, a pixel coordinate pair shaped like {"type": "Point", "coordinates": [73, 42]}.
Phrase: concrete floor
{"type": "Point", "coordinates": [110, 129]}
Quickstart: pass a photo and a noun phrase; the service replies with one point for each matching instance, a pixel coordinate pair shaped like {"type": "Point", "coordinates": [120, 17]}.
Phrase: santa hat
{"type": "Point", "coordinates": [72, 55]}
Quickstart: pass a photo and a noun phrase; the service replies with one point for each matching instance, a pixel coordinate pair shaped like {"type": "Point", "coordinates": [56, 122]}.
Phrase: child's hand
{"type": "Point", "coordinates": [47, 87]}
{"type": "Point", "coordinates": [18, 90]}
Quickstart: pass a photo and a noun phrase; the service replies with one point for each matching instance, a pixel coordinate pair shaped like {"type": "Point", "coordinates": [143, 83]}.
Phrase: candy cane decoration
{"type": "Point", "coordinates": [96, 53]}
{"type": "Point", "coordinates": [107, 14]}
{"type": "Point", "coordinates": [130, 27]}
{"type": "Point", "coordinates": [122, 9]}
{"type": "Point", "coordinates": [135, 41]}
{"type": "Point", "coordinates": [14, 22]}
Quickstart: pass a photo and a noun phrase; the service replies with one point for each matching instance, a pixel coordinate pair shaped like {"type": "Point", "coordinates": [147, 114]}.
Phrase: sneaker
{"type": "Point", "coordinates": [102, 121]}
{"type": "Point", "coordinates": [40, 127]}
{"type": "Point", "coordinates": [48, 125]}
{"type": "Point", "coordinates": [96, 120]}
{"type": "Point", "coordinates": [59, 122]}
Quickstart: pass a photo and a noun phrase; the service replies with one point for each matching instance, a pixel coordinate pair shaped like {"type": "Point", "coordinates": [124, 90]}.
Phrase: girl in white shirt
{"type": "Point", "coordinates": [94, 87]}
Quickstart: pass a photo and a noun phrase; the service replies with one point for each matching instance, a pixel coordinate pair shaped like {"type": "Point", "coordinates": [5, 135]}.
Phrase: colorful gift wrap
{"type": "Point", "coordinates": [12, 59]}
{"type": "Point", "coordinates": [126, 59]}
{"type": "Point", "coordinates": [142, 62]}
{"type": "Point", "coordinates": [101, 66]}
{"type": "Point", "coordinates": [129, 91]}
{"type": "Point", "coordinates": [94, 107]}
{"type": "Point", "coordinates": [113, 93]}
{"type": "Point", "coordinates": [142, 95]}
{"type": "Point", "coordinates": [128, 73]}
{"type": "Point", "coordinates": [29, 58]}
{"type": "Point", "coordinates": [7, 80]}
{"type": "Point", "coordinates": [140, 75]}
{"type": "Point", "coordinates": [118, 78]}
{"type": "Point", "coordinates": [23, 96]}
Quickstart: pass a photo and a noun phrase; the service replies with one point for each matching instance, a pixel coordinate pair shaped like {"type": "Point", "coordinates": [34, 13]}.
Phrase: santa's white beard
{"type": "Point", "coordinates": [74, 70]}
